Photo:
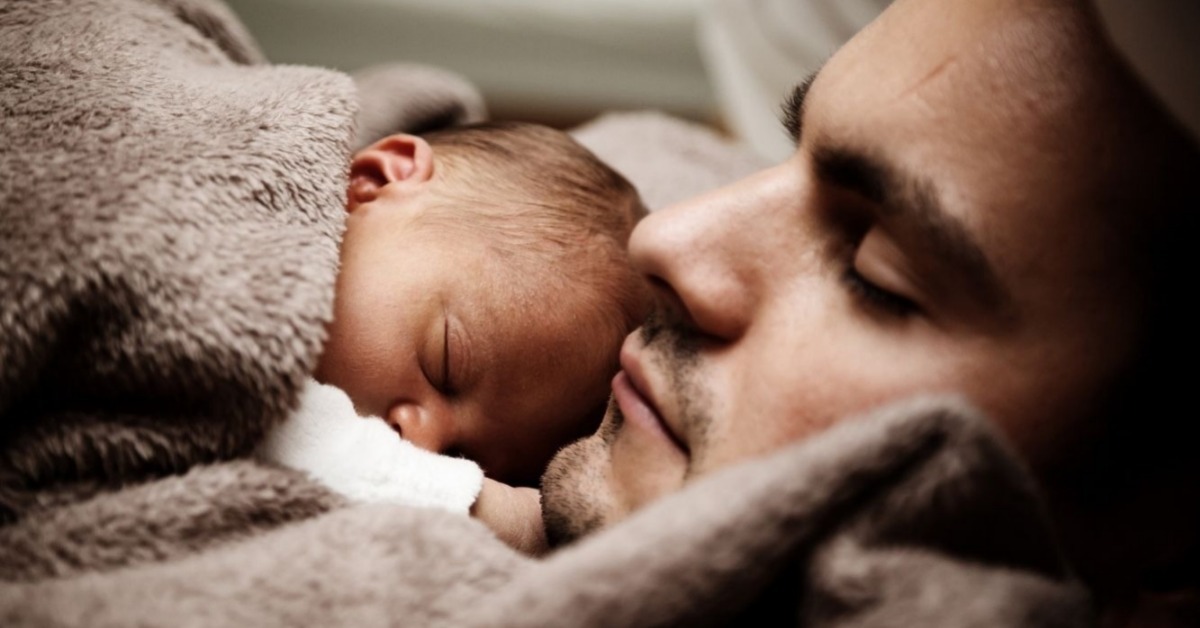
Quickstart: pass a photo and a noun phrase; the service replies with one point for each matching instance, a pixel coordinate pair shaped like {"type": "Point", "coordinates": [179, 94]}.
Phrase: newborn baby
{"type": "Point", "coordinates": [481, 304]}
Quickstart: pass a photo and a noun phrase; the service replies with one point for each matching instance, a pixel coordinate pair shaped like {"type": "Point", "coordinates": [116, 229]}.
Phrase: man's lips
{"type": "Point", "coordinates": [632, 395]}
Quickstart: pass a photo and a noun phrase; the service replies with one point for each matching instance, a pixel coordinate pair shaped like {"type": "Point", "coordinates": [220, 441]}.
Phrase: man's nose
{"type": "Point", "coordinates": [702, 257]}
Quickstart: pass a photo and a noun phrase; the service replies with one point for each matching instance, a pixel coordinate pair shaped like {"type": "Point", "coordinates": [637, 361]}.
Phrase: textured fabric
{"type": "Point", "coordinates": [666, 158]}
{"type": "Point", "coordinates": [914, 516]}
{"type": "Point", "coordinates": [168, 249]}
{"type": "Point", "coordinates": [157, 521]}
{"type": "Point", "coordinates": [388, 91]}
{"type": "Point", "coordinates": [365, 460]}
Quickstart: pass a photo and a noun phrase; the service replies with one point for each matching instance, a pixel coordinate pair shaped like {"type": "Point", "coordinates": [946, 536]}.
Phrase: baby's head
{"type": "Point", "coordinates": [484, 291]}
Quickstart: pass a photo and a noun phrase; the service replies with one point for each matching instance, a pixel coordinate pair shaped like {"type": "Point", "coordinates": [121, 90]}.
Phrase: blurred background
{"type": "Point", "coordinates": [554, 61]}
{"type": "Point", "coordinates": [725, 63]}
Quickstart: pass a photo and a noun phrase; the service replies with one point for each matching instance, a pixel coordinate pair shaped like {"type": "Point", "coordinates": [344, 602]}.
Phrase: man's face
{"type": "Point", "coordinates": [432, 331]}
{"type": "Point", "coordinates": [935, 231]}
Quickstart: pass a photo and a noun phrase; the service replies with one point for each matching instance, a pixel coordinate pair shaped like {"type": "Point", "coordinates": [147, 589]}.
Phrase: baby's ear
{"type": "Point", "coordinates": [401, 160]}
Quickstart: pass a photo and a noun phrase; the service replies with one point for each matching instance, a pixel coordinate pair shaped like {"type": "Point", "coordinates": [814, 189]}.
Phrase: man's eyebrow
{"type": "Point", "coordinates": [914, 199]}
{"type": "Point", "coordinates": [791, 110]}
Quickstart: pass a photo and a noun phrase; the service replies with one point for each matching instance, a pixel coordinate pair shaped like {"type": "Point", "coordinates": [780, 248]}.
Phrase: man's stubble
{"type": "Point", "coordinates": [575, 497]}
{"type": "Point", "coordinates": [576, 487]}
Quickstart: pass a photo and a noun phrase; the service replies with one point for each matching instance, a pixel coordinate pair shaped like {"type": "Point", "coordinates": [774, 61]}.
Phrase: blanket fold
{"type": "Point", "coordinates": [171, 220]}
{"type": "Point", "coordinates": [817, 535]}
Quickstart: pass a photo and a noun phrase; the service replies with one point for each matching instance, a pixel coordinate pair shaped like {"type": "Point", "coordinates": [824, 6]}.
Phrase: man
{"type": "Point", "coordinates": [982, 200]}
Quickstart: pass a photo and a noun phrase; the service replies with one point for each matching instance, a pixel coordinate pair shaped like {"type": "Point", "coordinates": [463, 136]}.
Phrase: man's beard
{"type": "Point", "coordinates": [576, 492]}
{"type": "Point", "coordinates": [575, 495]}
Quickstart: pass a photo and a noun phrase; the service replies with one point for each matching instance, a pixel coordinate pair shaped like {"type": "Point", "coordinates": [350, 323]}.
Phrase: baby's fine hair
{"type": "Point", "coordinates": [543, 202]}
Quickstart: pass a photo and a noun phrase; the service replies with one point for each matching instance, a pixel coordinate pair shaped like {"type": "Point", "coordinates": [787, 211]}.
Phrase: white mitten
{"type": "Point", "coordinates": [363, 459]}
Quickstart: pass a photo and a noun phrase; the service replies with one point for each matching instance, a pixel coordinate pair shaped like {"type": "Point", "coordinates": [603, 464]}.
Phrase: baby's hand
{"type": "Point", "coordinates": [514, 514]}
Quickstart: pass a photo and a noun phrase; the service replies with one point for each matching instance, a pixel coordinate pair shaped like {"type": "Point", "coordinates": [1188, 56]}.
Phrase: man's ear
{"type": "Point", "coordinates": [397, 160]}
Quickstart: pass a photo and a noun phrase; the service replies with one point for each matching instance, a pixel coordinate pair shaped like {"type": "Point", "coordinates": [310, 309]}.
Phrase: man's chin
{"type": "Point", "coordinates": [577, 497]}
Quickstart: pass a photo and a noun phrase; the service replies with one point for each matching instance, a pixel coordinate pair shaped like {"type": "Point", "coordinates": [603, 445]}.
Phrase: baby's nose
{"type": "Point", "coordinates": [428, 426]}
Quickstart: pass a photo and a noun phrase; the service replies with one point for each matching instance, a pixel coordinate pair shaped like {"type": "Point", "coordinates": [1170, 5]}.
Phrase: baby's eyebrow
{"type": "Point", "coordinates": [792, 107]}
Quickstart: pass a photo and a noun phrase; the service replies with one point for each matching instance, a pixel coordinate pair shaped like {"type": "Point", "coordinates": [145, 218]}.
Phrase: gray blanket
{"type": "Point", "coordinates": [170, 211]}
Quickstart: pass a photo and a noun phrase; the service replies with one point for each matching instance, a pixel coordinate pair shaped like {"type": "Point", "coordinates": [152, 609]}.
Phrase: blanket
{"type": "Point", "coordinates": [170, 212]}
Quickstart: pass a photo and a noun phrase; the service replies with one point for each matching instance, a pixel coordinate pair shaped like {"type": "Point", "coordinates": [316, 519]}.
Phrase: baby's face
{"type": "Point", "coordinates": [431, 333]}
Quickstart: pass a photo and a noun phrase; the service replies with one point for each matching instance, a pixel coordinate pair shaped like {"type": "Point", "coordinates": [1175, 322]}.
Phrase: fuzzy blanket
{"type": "Point", "coordinates": [170, 211]}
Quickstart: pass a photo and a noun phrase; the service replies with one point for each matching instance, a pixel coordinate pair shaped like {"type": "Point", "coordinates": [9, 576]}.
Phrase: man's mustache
{"type": "Point", "coordinates": [666, 332]}
{"type": "Point", "coordinates": [652, 326]}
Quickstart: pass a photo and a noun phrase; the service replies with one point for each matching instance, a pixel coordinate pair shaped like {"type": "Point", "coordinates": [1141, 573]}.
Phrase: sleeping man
{"type": "Point", "coordinates": [994, 209]}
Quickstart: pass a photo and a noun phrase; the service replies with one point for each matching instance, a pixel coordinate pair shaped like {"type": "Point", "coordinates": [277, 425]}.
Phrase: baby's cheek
{"type": "Point", "coordinates": [328, 364]}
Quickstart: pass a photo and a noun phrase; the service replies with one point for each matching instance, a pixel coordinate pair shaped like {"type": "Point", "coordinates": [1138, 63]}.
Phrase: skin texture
{"type": "Point", "coordinates": [431, 333]}
{"type": "Point", "coordinates": [514, 514]}
{"type": "Point", "coordinates": [812, 291]}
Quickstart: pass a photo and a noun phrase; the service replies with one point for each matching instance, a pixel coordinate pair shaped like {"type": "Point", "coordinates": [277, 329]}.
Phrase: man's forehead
{"type": "Point", "coordinates": [997, 83]}
{"type": "Point", "coordinates": [1002, 46]}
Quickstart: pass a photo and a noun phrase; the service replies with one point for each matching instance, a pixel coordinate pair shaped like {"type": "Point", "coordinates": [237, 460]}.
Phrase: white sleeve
{"type": "Point", "coordinates": [364, 459]}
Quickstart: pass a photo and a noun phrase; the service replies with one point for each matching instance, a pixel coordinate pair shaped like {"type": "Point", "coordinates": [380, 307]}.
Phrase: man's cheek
{"type": "Point", "coordinates": [754, 411]}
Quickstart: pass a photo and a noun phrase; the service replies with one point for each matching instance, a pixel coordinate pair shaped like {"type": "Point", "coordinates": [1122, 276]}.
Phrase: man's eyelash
{"type": "Point", "coordinates": [873, 295]}
{"type": "Point", "coordinates": [789, 116]}
{"type": "Point", "coordinates": [791, 113]}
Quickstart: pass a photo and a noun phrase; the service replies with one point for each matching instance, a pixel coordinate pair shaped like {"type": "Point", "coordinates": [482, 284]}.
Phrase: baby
{"type": "Point", "coordinates": [481, 303]}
